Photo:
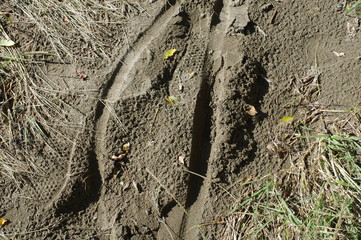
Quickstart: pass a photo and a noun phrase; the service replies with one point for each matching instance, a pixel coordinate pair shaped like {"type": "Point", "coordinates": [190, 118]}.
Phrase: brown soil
{"type": "Point", "coordinates": [229, 56]}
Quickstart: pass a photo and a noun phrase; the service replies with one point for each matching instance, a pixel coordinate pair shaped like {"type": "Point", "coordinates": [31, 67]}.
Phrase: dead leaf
{"type": "Point", "coordinates": [81, 74]}
{"type": "Point", "coordinates": [181, 159]}
{"type": "Point", "coordinates": [341, 54]}
{"type": "Point", "coordinates": [3, 221]}
{"type": "Point", "coordinates": [126, 147]}
{"type": "Point", "coordinates": [248, 179]}
{"type": "Point", "coordinates": [251, 110]}
{"type": "Point", "coordinates": [118, 157]}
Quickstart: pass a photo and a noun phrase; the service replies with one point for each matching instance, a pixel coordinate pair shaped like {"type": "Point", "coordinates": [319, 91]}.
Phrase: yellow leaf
{"type": "Point", "coordinates": [287, 119]}
{"type": "Point", "coordinates": [169, 53]}
{"type": "Point", "coordinates": [126, 147]}
{"type": "Point", "coordinates": [3, 221]}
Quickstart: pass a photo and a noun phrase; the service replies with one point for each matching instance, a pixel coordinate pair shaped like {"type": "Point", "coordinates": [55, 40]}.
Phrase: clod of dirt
{"type": "Point", "coordinates": [236, 3]}
{"type": "Point", "coordinates": [239, 21]}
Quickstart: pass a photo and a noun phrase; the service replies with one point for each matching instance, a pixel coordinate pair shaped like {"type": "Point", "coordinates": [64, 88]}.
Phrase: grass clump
{"type": "Point", "coordinates": [31, 104]}
{"type": "Point", "coordinates": [19, 103]}
{"type": "Point", "coordinates": [78, 29]}
{"type": "Point", "coordinates": [354, 10]}
{"type": "Point", "coordinates": [319, 199]}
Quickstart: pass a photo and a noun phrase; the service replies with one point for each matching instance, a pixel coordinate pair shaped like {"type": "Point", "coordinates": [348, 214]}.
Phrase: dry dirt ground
{"type": "Point", "coordinates": [178, 177]}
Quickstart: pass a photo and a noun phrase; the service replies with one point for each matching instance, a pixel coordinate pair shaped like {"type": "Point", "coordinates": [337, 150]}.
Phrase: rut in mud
{"type": "Point", "coordinates": [202, 35]}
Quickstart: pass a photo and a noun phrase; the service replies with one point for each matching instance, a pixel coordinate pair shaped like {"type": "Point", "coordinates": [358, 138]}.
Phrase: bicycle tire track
{"type": "Point", "coordinates": [119, 81]}
{"type": "Point", "coordinates": [211, 138]}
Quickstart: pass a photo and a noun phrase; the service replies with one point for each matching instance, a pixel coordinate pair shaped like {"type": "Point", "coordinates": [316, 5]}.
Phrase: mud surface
{"type": "Point", "coordinates": [177, 178]}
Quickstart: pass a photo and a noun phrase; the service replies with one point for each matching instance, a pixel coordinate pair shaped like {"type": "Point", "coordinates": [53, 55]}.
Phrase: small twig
{"type": "Point", "coordinates": [206, 224]}
{"type": "Point", "coordinates": [273, 17]}
{"type": "Point", "coordinates": [196, 174]}
{"type": "Point", "coordinates": [334, 111]}
{"type": "Point", "coordinates": [154, 118]}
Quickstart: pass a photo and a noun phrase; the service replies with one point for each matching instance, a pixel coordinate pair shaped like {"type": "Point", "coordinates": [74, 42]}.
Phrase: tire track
{"type": "Point", "coordinates": [203, 151]}
{"type": "Point", "coordinates": [119, 81]}
{"type": "Point", "coordinates": [196, 201]}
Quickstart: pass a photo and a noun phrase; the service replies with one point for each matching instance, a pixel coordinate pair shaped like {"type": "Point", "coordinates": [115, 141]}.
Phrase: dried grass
{"type": "Point", "coordinates": [319, 197]}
